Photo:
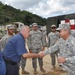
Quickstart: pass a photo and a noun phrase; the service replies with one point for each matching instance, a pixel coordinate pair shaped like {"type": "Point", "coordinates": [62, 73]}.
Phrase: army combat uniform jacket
{"type": "Point", "coordinates": [66, 49]}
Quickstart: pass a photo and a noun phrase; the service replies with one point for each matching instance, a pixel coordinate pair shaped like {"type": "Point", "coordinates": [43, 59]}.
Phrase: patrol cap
{"type": "Point", "coordinates": [64, 26]}
{"type": "Point", "coordinates": [10, 26]}
{"type": "Point", "coordinates": [43, 28]}
{"type": "Point", "coordinates": [30, 26]}
{"type": "Point", "coordinates": [53, 25]}
{"type": "Point", "coordinates": [34, 24]}
{"type": "Point", "coordinates": [18, 29]}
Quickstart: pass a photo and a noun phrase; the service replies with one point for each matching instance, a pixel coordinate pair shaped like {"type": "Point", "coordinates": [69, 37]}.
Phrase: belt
{"type": "Point", "coordinates": [8, 61]}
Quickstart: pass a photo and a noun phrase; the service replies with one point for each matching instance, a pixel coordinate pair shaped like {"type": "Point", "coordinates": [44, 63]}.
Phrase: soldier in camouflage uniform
{"type": "Point", "coordinates": [35, 45]}
{"type": "Point", "coordinates": [10, 31]}
{"type": "Point", "coordinates": [66, 47]}
{"type": "Point", "coordinates": [23, 64]}
{"type": "Point", "coordinates": [52, 38]}
{"type": "Point", "coordinates": [44, 32]}
{"type": "Point", "coordinates": [1, 35]}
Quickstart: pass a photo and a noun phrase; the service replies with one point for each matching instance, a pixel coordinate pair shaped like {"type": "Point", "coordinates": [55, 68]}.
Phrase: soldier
{"type": "Point", "coordinates": [1, 35]}
{"type": "Point", "coordinates": [52, 38]}
{"type": "Point", "coordinates": [23, 64]}
{"type": "Point", "coordinates": [44, 32]}
{"type": "Point", "coordinates": [66, 47]}
{"type": "Point", "coordinates": [35, 44]}
{"type": "Point", "coordinates": [10, 33]}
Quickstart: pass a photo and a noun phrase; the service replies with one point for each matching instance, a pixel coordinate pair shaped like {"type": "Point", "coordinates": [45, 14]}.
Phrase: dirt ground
{"type": "Point", "coordinates": [46, 65]}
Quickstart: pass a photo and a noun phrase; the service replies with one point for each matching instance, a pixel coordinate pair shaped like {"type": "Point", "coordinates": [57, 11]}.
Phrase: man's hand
{"type": "Point", "coordinates": [30, 51]}
{"type": "Point", "coordinates": [61, 60]}
{"type": "Point", "coordinates": [41, 54]}
{"type": "Point", "coordinates": [43, 48]}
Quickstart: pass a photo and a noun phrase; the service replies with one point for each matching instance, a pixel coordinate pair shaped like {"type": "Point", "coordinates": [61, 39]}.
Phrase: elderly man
{"type": "Point", "coordinates": [23, 60]}
{"type": "Point", "coordinates": [35, 44]}
{"type": "Point", "coordinates": [66, 47]}
{"type": "Point", "coordinates": [14, 49]}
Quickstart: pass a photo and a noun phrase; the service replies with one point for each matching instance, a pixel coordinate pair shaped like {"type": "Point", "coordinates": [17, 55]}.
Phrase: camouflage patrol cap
{"type": "Point", "coordinates": [30, 26]}
{"type": "Point", "coordinates": [64, 26]}
{"type": "Point", "coordinates": [53, 25]}
{"type": "Point", "coordinates": [34, 24]}
{"type": "Point", "coordinates": [10, 26]}
{"type": "Point", "coordinates": [19, 29]}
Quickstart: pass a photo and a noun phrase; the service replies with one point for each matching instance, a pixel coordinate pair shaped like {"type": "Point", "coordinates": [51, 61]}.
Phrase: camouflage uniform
{"type": "Point", "coordinates": [52, 38]}
{"type": "Point", "coordinates": [44, 32]}
{"type": "Point", "coordinates": [23, 63]}
{"type": "Point", "coordinates": [44, 38]}
{"type": "Point", "coordinates": [67, 50]}
{"type": "Point", "coordinates": [4, 40]}
{"type": "Point", "coordinates": [1, 35]}
{"type": "Point", "coordinates": [35, 43]}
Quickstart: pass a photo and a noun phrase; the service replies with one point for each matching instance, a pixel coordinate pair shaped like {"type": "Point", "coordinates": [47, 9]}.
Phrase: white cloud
{"type": "Point", "coordinates": [44, 8]}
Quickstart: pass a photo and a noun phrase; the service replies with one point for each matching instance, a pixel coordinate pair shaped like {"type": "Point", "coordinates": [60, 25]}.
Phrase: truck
{"type": "Point", "coordinates": [70, 18]}
{"type": "Point", "coordinates": [17, 26]}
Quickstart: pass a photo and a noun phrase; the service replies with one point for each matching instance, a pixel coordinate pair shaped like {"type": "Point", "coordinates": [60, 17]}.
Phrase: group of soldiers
{"type": "Point", "coordinates": [36, 43]}
{"type": "Point", "coordinates": [60, 42]}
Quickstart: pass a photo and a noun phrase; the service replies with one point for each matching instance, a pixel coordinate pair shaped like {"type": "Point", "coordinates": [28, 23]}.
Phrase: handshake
{"type": "Point", "coordinates": [41, 54]}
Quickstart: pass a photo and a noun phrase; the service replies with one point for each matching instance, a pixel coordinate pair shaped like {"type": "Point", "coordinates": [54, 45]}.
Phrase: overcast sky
{"type": "Point", "coordinates": [44, 8]}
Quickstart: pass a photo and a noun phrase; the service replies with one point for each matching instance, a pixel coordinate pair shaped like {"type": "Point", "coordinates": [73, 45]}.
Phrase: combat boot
{"type": "Point", "coordinates": [35, 71]}
{"type": "Point", "coordinates": [41, 68]}
{"type": "Point", "coordinates": [53, 67]}
{"type": "Point", "coordinates": [24, 72]}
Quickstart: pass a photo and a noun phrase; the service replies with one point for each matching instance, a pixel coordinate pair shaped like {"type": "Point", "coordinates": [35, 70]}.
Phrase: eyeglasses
{"type": "Point", "coordinates": [53, 27]}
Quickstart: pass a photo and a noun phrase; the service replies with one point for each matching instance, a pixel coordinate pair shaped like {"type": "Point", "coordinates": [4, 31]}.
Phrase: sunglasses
{"type": "Point", "coordinates": [53, 27]}
{"type": "Point", "coordinates": [58, 31]}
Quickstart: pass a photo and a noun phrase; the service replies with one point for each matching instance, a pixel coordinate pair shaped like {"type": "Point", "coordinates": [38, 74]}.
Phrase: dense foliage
{"type": "Point", "coordinates": [9, 14]}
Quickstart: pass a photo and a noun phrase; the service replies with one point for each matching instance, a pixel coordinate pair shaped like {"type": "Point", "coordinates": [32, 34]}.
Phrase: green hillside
{"type": "Point", "coordinates": [9, 14]}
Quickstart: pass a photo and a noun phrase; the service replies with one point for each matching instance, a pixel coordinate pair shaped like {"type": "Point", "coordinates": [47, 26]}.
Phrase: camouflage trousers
{"type": "Point", "coordinates": [34, 60]}
{"type": "Point", "coordinates": [53, 58]}
{"type": "Point", "coordinates": [23, 62]}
